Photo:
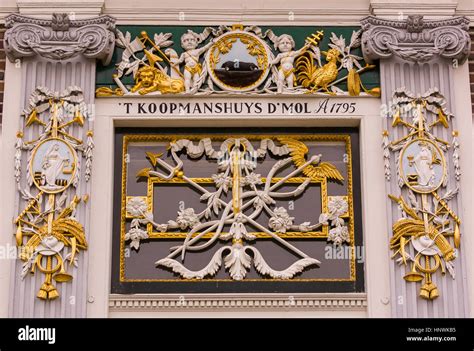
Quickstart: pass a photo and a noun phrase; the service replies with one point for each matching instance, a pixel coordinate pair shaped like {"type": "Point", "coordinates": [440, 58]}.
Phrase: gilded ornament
{"type": "Point", "coordinates": [423, 234]}
{"type": "Point", "coordinates": [316, 77]}
{"type": "Point", "coordinates": [237, 59]}
{"type": "Point", "coordinates": [311, 76]}
{"type": "Point", "coordinates": [149, 79]}
{"type": "Point", "coordinates": [315, 169]}
{"type": "Point", "coordinates": [234, 175]}
{"type": "Point", "coordinates": [106, 91]}
{"type": "Point", "coordinates": [48, 234]}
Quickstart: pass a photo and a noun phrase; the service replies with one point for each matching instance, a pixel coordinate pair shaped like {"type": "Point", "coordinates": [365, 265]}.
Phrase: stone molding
{"type": "Point", "coordinates": [79, 8]}
{"type": "Point", "coordinates": [433, 10]}
{"type": "Point", "coordinates": [60, 38]}
{"type": "Point", "coordinates": [188, 302]}
{"type": "Point", "coordinates": [416, 39]}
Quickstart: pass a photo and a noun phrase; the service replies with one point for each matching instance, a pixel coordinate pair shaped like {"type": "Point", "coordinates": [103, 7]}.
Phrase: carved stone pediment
{"type": "Point", "coordinates": [415, 39]}
{"type": "Point", "coordinates": [59, 38]}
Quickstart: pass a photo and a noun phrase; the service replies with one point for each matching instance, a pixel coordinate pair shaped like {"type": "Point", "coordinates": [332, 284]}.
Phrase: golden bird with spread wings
{"type": "Point", "coordinates": [298, 151]}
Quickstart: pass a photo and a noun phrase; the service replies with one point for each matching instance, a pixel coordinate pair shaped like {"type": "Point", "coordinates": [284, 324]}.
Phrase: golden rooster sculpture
{"type": "Point", "coordinates": [310, 75]}
{"type": "Point", "coordinates": [298, 151]}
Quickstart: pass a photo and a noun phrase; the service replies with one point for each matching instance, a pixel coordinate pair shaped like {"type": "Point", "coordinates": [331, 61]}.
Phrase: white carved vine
{"type": "Point", "coordinates": [236, 173]}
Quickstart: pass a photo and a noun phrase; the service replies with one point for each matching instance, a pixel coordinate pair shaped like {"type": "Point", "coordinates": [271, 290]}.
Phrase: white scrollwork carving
{"type": "Point", "coordinates": [28, 36]}
{"type": "Point", "coordinates": [415, 39]}
{"type": "Point", "coordinates": [249, 190]}
{"type": "Point", "coordinates": [237, 61]}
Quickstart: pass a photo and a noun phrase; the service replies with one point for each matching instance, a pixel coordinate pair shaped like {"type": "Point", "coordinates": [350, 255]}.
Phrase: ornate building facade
{"type": "Point", "coordinates": [253, 159]}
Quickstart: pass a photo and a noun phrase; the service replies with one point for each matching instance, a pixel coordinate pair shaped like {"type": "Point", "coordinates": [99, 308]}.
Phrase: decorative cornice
{"type": "Point", "coordinates": [416, 39]}
{"type": "Point", "coordinates": [14, 18]}
{"type": "Point", "coordinates": [60, 38]}
{"type": "Point", "coordinates": [190, 302]}
{"type": "Point", "coordinates": [209, 16]}
{"type": "Point", "coordinates": [46, 7]}
{"type": "Point", "coordinates": [429, 9]}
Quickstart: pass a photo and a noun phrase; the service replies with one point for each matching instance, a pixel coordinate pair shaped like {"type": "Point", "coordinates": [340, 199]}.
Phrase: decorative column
{"type": "Point", "coordinates": [53, 159]}
{"type": "Point", "coordinates": [421, 151]}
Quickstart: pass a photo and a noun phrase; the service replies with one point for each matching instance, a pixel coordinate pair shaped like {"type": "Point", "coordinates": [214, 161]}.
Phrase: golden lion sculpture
{"type": "Point", "coordinates": [150, 79]}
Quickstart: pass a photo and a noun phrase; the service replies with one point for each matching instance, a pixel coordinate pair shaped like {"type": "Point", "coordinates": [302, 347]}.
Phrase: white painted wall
{"type": "Point", "coordinates": [10, 124]}
{"type": "Point", "coordinates": [464, 122]}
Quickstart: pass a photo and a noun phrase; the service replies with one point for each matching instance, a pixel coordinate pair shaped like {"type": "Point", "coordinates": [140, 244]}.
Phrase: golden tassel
{"type": "Point", "coordinates": [353, 83]}
{"type": "Point", "coordinates": [457, 236]}
{"type": "Point", "coordinates": [19, 236]}
{"type": "Point", "coordinates": [42, 293]}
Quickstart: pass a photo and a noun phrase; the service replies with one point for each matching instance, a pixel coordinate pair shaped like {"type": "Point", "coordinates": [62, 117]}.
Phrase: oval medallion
{"type": "Point", "coordinates": [53, 165]}
{"type": "Point", "coordinates": [238, 61]}
{"type": "Point", "coordinates": [422, 166]}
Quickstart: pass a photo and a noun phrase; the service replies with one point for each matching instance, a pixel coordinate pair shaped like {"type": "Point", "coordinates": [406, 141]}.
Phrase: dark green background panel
{"type": "Point", "coordinates": [370, 79]}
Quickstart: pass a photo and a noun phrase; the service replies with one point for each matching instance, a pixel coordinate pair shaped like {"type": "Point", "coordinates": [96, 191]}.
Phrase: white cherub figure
{"type": "Point", "coordinates": [192, 68]}
{"type": "Point", "coordinates": [285, 44]}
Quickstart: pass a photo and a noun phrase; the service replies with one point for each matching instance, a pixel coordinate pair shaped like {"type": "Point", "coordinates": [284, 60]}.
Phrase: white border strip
{"type": "Point", "coordinates": [188, 302]}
